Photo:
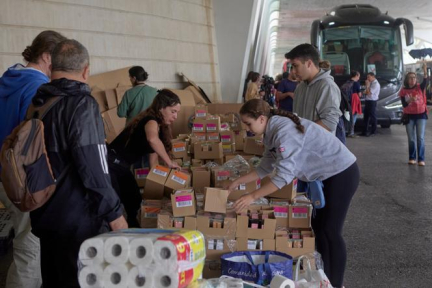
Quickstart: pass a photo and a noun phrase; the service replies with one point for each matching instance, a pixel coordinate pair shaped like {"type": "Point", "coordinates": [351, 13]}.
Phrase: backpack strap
{"type": "Point", "coordinates": [39, 112]}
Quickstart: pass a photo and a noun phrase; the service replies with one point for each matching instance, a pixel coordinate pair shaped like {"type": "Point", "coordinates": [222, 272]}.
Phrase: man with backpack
{"type": "Point", "coordinates": [18, 85]}
{"type": "Point", "coordinates": [84, 204]}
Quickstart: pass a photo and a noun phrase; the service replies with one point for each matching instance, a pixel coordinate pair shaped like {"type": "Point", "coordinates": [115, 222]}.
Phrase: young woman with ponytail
{"type": "Point", "coordinates": [296, 147]}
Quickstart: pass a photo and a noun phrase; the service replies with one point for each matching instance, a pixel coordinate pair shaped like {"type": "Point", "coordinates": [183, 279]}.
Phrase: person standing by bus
{"type": "Point", "coordinates": [372, 92]}
{"type": "Point", "coordinates": [414, 102]}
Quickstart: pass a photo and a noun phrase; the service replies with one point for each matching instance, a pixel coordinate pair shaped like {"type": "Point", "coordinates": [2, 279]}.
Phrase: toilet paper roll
{"type": "Point", "coordinates": [92, 251]}
{"type": "Point", "coordinates": [163, 278]}
{"type": "Point", "coordinates": [141, 251]}
{"type": "Point", "coordinates": [116, 249]}
{"type": "Point", "coordinates": [91, 276]}
{"type": "Point", "coordinates": [140, 277]}
{"type": "Point", "coordinates": [116, 275]}
{"type": "Point", "coordinates": [279, 281]}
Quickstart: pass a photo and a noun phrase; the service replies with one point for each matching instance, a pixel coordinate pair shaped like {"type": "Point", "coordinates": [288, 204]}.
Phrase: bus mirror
{"type": "Point", "coordinates": [315, 32]}
{"type": "Point", "coordinates": [409, 30]}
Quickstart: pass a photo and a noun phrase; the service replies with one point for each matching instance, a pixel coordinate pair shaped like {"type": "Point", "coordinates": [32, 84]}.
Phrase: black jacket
{"type": "Point", "coordinates": [84, 201]}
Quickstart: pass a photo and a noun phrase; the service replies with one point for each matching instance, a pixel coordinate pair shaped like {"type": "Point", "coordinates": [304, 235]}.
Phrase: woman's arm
{"type": "Point", "coordinates": [246, 200]}
{"type": "Point", "coordinates": [252, 176]}
{"type": "Point", "coordinates": [153, 159]}
{"type": "Point", "coordinates": [152, 133]}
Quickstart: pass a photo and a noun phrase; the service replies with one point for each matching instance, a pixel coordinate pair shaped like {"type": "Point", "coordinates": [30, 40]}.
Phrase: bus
{"type": "Point", "coordinates": [360, 37]}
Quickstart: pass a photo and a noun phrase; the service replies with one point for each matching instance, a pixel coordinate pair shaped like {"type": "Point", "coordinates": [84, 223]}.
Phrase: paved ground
{"type": "Point", "coordinates": [388, 231]}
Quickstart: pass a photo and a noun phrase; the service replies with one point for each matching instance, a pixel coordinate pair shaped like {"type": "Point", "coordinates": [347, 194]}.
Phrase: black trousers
{"type": "Point", "coordinates": [328, 222]}
{"type": "Point", "coordinates": [370, 117]}
{"type": "Point", "coordinates": [123, 182]}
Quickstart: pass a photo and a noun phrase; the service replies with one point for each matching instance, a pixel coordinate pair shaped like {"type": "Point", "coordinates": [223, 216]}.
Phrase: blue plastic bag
{"type": "Point", "coordinates": [259, 266]}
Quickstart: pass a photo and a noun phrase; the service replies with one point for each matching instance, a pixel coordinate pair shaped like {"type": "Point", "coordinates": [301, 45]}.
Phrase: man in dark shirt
{"type": "Point", "coordinates": [84, 202]}
{"type": "Point", "coordinates": [285, 93]}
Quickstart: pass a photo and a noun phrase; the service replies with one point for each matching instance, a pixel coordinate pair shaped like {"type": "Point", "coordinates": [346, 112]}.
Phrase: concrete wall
{"type": "Point", "coordinates": [163, 36]}
{"type": "Point", "coordinates": [234, 36]}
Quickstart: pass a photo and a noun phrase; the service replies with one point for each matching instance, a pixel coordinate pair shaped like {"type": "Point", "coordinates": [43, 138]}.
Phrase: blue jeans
{"type": "Point", "coordinates": [354, 120]}
{"type": "Point", "coordinates": [416, 131]}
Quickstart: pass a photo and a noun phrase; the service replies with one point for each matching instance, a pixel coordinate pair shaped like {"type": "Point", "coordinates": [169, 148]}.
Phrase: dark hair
{"type": "Point", "coordinates": [249, 76]}
{"type": "Point", "coordinates": [69, 56]}
{"type": "Point", "coordinates": [254, 76]}
{"type": "Point", "coordinates": [139, 73]}
{"type": "Point", "coordinates": [257, 107]}
{"type": "Point", "coordinates": [304, 52]}
{"type": "Point", "coordinates": [285, 75]}
{"type": "Point", "coordinates": [165, 98]}
{"type": "Point", "coordinates": [43, 43]}
{"type": "Point", "coordinates": [371, 74]}
{"type": "Point", "coordinates": [354, 73]}
{"type": "Point", "coordinates": [406, 80]}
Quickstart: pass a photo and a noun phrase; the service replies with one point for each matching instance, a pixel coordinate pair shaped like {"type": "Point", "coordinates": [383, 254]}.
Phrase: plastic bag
{"type": "Point", "coordinates": [311, 278]}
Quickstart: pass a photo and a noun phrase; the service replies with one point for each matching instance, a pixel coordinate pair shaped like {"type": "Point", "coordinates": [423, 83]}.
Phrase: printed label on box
{"type": "Point", "coordinates": [183, 201]}
{"type": "Point", "coordinates": [219, 244]}
{"type": "Point", "coordinates": [211, 127]}
{"type": "Point", "coordinates": [281, 212]}
{"type": "Point", "coordinates": [198, 127]}
{"type": "Point", "coordinates": [242, 186]}
{"type": "Point", "coordinates": [179, 178]}
{"type": "Point", "coordinates": [213, 137]}
{"type": "Point", "coordinates": [299, 212]}
{"type": "Point", "coordinates": [295, 184]}
{"type": "Point", "coordinates": [162, 171]}
{"type": "Point", "coordinates": [142, 173]}
{"type": "Point", "coordinates": [224, 126]}
{"type": "Point", "coordinates": [226, 138]}
{"type": "Point", "coordinates": [179, 147]}
{"type": "Point", "coordinates": [252, 244]}
{"type": "Point", "coordinates": [200, 136]}
{"type": "Point", "coordinates": [223, 175]}
{"type": "Point", "coordinates": [258, 184]}
{"type": "Point", "coordinates": [200, 113]}
{"type": "Point", "coordinates": [226, 148]}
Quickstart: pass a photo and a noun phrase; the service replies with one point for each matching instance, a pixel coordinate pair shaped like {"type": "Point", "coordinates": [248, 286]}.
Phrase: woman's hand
{"type": "Point", "coordinates": [174, 165]}
{"type": "Point", "coordinates": [242, 203]}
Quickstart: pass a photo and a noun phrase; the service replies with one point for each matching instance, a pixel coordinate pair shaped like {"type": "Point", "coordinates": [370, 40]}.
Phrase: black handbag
{"type": "Point", "coordinates": [405, 119]}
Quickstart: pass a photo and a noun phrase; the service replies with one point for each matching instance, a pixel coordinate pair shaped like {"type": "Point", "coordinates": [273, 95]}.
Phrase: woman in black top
{"type": "Point", "coordinates": [148, 133]}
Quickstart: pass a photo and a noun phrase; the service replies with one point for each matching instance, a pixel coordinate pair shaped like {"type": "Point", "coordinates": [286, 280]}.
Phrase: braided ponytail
{"type": "Point", "coordinates": [290, 115]}
{"type": "Point", "coordinates": [257, 107]}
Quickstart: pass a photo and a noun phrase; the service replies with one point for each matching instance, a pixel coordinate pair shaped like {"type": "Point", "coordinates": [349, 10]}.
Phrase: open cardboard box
{"type": "Point", "coordinates": [113, 124]}
{"type": "Point", "coordinates": [243, 189]}
{"type": "Point", "coordinates": [165, 220]}
{"type": "Point", "coordinates": [208, 150]}
{"type": "Point", "coordinates": [244, 245]}
{"type": "Point", "coordinates": [216, 247]}
{"type": "Point", "coordinates": [308, 244]}
{"type": "Point", "coordinates": [244, 231]}
{"type": "Point", "coordinates": [228, 230]}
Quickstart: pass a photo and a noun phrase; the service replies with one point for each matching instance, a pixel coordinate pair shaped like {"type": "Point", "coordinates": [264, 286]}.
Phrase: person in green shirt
{"type": "Point", "coordinates": [138, 98]}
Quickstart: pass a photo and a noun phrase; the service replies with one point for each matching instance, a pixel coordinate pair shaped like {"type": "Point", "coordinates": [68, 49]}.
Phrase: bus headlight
{"type": "Point", "coordinates": [395, 105]}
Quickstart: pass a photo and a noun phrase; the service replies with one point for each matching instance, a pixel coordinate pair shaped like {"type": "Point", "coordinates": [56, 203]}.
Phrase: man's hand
{"type": "Point", "coordinates": [119, 223]}
{"type": "Point", "coordinates": [244, 202]}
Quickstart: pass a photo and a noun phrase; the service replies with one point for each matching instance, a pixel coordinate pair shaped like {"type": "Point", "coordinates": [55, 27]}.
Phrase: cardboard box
{"type": "Point", "coordinates": [213, 137]}
{"type": "Point", "coordinates": [281, 214]}
{"type": "Point", "coordinates": [111, 79]}
{"type": "Point", "coordinates": [120, 91]}
{"type": "Point", "coordinates": [111, 98]}
{"type": "Point", "coordinates": [165, 220]}
{"type": "Point", "coordinates": [208, 150]}
{"type": "Point", "coordinates": [239, 138]}
{"type": "Point", "coordinates": [230, 118]}
{"type": "Point", "coordinates": [253, 145]}
{"type": "Point", "coordinates": [243, 189]}
{"type": "Point", "coordinates": [212, 269]}
{"type": "Point", "coordinates": [299, 216]}
{"type": "Point", "coordinates": [244, 231]}
{"type": "Point", "coordinates": [227, 137]}
{"type": "Point", "coordinates": [141, 175]}
{"type": "Point", "coordinates": [215, 200]}
{"type": "Point", "coordinates": [216, 247]}
{"type": "Point", "coordinates": [180, 126]}
{"type": "Point", "coordinates": [100, 98]}
{"type": "Point", "coordinates": [183, 203]}
{"type": "Point", "coordinates": [177, 180]}
{"type": "Point", "coordinates": [228, 231]}
{"type": "Point", "coordinates": [200, 179]}
{"type": "Point", "coordinates": [243, 244]}
{"type": "Point", "coordinates": [213, 124]}
{"type": "Point", "coordinates": [113, 124]}
{"type": "Point", "coordinates": [179, 149]}
{"type": "Point", "coordinates": [287, 192]}
{"type": "Point", "coordinates": [224, 108]}
{"type": "Point", "coordinates": [201, 111]}
{"type": "Point", "coordinates": [197, 163]}
{"type": "Point", "coordinates": [199, 125]}
{"type": "Point", "coordinates": [149, 213]}
{"type": "Point", "coordinates": [308, 245]}
{"type": "Point", "coordinates": [198, 137]}
{"type": "Point", "coordinates": [155, 182]}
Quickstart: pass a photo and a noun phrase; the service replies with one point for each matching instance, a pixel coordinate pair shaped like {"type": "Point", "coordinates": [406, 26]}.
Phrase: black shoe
{"type": "Point", "coordinates": [363, 134]}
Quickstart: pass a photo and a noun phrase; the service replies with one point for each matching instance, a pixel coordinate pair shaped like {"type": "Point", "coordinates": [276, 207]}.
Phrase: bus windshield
{"type": "Point", "coordinates": [365, 49]}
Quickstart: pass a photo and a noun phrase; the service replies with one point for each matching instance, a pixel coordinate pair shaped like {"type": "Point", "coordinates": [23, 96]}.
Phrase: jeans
{"type": "Point", "coordinates": [416, 131]}
{"type": "Point", "coordinates": [354, 119]}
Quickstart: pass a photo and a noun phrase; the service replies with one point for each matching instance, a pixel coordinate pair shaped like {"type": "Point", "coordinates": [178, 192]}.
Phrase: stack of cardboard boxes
{"type": "Point", "coordinates": [195, 197]}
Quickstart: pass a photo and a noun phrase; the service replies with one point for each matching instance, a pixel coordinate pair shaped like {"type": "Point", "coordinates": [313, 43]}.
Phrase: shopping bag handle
{"type": "Point", "coordinates": [249, 257]}
{"type": "Point", "coordinates": [308, 267]}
